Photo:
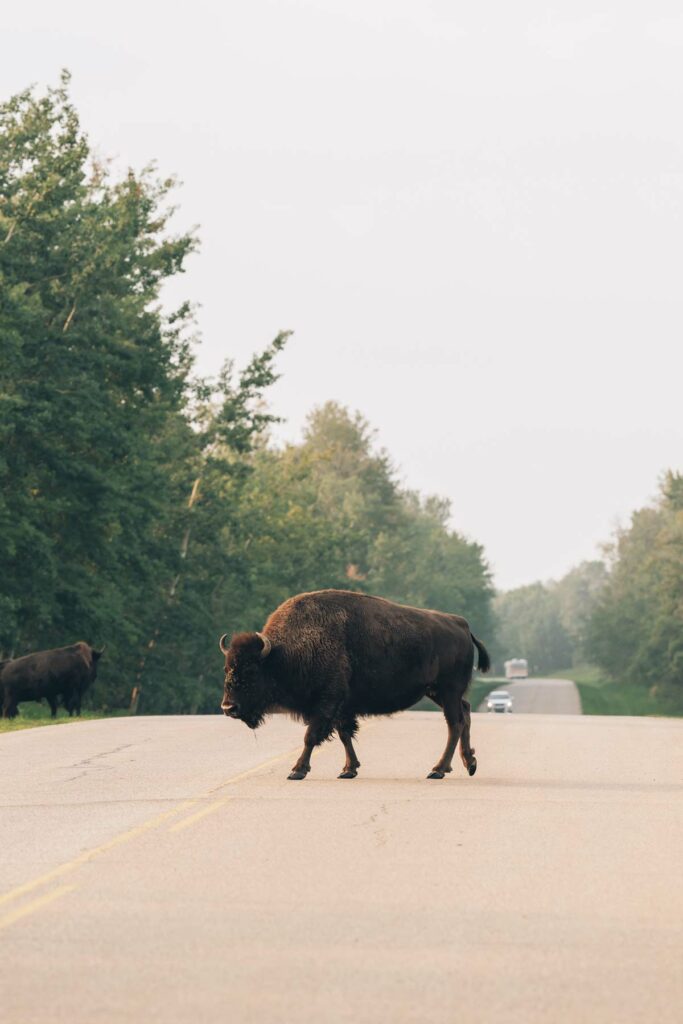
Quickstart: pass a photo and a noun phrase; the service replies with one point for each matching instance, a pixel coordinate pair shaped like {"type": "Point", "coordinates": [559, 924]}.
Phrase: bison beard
{"type": "Point", "coordinates": [332, 656]}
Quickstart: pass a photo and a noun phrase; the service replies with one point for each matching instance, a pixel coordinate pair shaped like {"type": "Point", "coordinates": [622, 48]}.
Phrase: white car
{"type": "Point", "coordinates": [499, 701]}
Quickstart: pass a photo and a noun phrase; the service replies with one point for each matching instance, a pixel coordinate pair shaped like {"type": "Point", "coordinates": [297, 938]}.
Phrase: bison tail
{"type": "Point", "coordinates": [484, 660]}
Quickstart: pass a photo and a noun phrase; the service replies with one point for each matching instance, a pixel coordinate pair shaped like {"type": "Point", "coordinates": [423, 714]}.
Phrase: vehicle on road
{"type": "Point", "coordinates": [499, 701]}
{"type": "Point", "coordinates": [516, 668]}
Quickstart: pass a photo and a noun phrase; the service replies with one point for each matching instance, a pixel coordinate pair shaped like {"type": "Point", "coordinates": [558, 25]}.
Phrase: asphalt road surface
{"type": "Point", "coordinates": [164, 870]}
{"type": "Point", "coordinates": [542, 697]}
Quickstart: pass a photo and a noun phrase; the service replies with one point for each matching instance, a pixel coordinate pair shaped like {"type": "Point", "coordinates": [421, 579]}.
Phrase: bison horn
{"type": "Point", "coordinates": [267, 646]}
{"type": "Point", "coordinates": [222, 644]}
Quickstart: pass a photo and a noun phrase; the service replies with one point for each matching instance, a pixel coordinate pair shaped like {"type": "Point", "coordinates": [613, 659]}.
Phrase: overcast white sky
{"type": "Point", "coordinates": [469, 213]}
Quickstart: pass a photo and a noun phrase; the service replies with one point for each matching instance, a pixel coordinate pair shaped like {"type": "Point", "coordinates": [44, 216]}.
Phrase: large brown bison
{"type": "Point", "coordinates": [64, 672]}
{"type": "Point", "coordinates": [331, 656]}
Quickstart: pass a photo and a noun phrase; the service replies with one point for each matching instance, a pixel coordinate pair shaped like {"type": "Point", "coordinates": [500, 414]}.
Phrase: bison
{"type": "Point", "coordinates": [64, 672]}
{"type": "Point", "coordinates": [332, 656]}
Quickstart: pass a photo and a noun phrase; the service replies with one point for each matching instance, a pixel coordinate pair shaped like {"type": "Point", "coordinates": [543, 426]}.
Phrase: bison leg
{"type": "Point", "coordinates": [319, 730]}
{"type": "Point", "coordinates": [9, 707]}
{"type": "Point", "coordinates": [346, 731]}
{"type": "Point", "coordinates": [75, 707]}
{"type": "Point", "coordinates": [453, 712]}
{"type": "Point", "coordinates": [52, 701]}
{"type": "Point", "coordinates": [466, 751]}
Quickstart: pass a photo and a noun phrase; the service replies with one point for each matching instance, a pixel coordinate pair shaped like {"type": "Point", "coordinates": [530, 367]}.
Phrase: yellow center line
{"type": "Point", "coordinates": [30, 908]}
{"type": "Point", "coordinates": [253, 771]}
{"type": "Point", "coordinates": [200, 814]}
{"type": "Point", "coordinates": [88, 855]}
{"type": "Point", "coordinates": [133, 833]}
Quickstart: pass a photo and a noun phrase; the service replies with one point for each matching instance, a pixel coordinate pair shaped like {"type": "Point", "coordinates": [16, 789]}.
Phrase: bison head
{"type": "Point", "coordinates": [247, 694]}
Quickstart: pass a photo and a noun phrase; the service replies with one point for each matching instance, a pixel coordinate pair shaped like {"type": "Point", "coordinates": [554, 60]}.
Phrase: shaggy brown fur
{"type": "Point", "coordinates": [337, 655]}
{"type": "Point", "coordinates": [64, 672]}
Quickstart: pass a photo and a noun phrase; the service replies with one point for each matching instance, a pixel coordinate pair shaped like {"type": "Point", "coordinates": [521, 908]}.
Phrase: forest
{"type": "Point", "coordinates": [623, 615]}
{"type": "Point", "coordinates": [144, 507]}
{"type": "Point", "coordinates": [149, 509]}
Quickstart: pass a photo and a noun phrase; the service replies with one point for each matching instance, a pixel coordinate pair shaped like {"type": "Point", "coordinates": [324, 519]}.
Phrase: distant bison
{"type": "Point", "coordinates": [331, 656]}
{"type": "Point", "coordinates": [64, 672]}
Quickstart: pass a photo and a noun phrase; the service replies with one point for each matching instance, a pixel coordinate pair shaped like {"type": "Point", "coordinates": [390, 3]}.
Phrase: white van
{"type": "Point", "coordinates": [516, 668]}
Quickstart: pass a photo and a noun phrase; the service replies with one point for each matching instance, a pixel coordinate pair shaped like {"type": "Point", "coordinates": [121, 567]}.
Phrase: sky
{"type": "Point", "coordinates": [468, 213]}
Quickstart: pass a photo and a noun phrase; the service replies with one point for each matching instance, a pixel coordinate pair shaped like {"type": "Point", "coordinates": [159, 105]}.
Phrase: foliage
{"type": "Point", "coordinates": [625, 617]}
{"type": "Point", "coordinates": [327, 512]}
{"type": "Point", "coordinates": [547, 623]}
{"type": "Point", "coordinates": [529, 625]}
{"type": "Point", "coordinates": [210, 566]}
{"type": "Point", "coordinates": [102, 430]}
{"type": "Point", "coordinates": [636, 631]}
{"type": "Point", "coordinates": [92, 383]}
{"type": "Point", "coordinates": [33, 715]}
{"type": "Point", "coordinates": [139, 506]}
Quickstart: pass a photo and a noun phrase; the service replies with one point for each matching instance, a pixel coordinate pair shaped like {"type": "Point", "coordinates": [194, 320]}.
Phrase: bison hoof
{"type": "Point", "coordinates": [348, 774]}
{"type": "Point", "coordinates": [297, 775]}
{"type": "Point", "coordinates": [436, 775]}
{"type": "Point", "coordinates": [472, 766]}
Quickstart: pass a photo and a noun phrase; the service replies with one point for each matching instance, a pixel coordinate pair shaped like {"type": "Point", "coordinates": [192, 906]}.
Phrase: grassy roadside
{"type": "Point", "coordinates": [600, 696]}
{"type": "Point", "coordinates": [32, 715]}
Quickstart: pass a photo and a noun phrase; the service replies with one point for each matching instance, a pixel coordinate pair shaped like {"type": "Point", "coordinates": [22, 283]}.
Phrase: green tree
{"type": "Point", "coordinates": [356, 488]}
{"type": "Point", "coordinates": [103, 432]}
{"type": "Point", "coordinates": [423, 562]}
{"type": "Point", "coordinates": [212, 584]}
{"type": "Point", "coordinates": [636, 631]}
{"type": "Point", "coordinates": [529, 625]}
{"type": "Point", "coordinates": [548, 623]}
{"type": "Point", "coordinates": [577, 595]}
{"type": "Point", "coordinates": [142, 507]}
{"type": "Point", "coordinates": [92, 380]}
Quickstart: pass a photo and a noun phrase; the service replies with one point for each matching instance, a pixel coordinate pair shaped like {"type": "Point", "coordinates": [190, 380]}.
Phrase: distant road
{"type": "Point", "coordinates": [164, 870]}
{"type": "Point", "coordinates": [542, 697]}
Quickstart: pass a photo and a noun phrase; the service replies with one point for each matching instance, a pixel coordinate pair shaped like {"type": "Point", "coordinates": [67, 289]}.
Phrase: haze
{"type": "Point", "coordinates": [469, 214]}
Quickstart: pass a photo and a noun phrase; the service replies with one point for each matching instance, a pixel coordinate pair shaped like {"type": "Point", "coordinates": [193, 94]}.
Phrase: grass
{"type": "Point", "coordinates": [32, 715]}
{"type": "Point", "coordinates": [601, 696]}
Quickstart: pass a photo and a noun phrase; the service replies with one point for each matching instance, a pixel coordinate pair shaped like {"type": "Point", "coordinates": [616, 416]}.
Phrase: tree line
{"type": "Point", "coordinates": [623, 614]}
{"type": "Point", "coordinates": [147, 508]}
{"type": "Point", "coordinates": [144, 507]}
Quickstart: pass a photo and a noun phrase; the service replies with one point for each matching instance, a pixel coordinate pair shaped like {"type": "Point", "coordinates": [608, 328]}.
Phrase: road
{"type": "Point", "coordinates": [164, 870]}
{"type": "Point", "coordinates": [542, 696]}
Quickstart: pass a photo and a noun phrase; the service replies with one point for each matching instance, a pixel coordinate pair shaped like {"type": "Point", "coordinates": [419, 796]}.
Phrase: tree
{"type": "Point", "coordinates": [356, 488]}
{"type": "Point", "coordinates": [92, 380]}
{"type": "Point", "coordinates": [422, 562]}
{"type": "Point", "coordinates": [103, 431]}
{"type": "Point", "coordinates": [529, 625]}
{"type": "Point", "coordinates": [211, 587]}
{"type": "Point", "coordinates": [577, 595]}
{"type": "Point", "coordinates": [636, 631]}
{"type": "Point", "coordinates": [138, 505]}
{"type": "Point", "coordinates": [269, 522]}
